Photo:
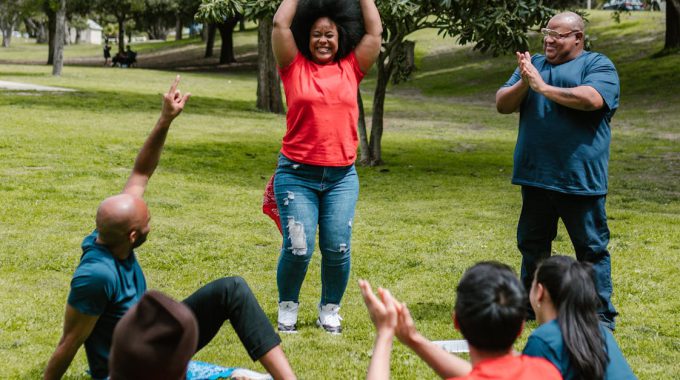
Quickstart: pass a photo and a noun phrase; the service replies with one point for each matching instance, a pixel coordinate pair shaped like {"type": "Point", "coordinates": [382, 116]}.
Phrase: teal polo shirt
{"type": "Point", "coordinates": [559, 148]}
{"type": "Point", "coordinates": [106, 287]}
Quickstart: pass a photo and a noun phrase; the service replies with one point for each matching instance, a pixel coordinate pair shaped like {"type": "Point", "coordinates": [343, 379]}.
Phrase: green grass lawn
{"type": "Point", "coordinates": [442, 202]}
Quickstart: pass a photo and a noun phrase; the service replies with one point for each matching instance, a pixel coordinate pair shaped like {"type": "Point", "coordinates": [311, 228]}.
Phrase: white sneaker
{"type": "Point", "coordinates": [287, 320]}
{"type": "Point", "coordinates": [329, 319]}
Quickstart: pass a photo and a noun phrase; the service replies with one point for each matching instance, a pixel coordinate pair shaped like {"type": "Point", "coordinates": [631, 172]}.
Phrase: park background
{"type": "Point", "coordinates": [441, 202]}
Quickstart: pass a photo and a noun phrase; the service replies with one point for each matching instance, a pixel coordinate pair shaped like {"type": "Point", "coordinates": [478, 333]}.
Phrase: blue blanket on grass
{"type": "Point", "coordinates": [206, 371]}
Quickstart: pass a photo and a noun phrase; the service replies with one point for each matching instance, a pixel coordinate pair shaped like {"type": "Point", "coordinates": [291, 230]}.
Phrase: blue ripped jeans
{"type": "Point", "coordinates": [308, 196]}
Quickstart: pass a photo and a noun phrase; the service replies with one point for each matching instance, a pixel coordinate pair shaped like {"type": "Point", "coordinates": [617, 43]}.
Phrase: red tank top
{"type": "Point", "coordinates": [322, 111]}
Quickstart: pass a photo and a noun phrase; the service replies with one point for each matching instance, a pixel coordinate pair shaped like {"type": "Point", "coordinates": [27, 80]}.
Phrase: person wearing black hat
{"type": "Point", "coordinates": [109, 281]}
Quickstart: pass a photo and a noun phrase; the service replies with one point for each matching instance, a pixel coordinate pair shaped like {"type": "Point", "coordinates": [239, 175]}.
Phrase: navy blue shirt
{"type": "Point", "coordinates": [106, 287]}
{"type": "Point", "coordinates": [560, 148]}
{"type": "Point", "coordinates": [547, 342]}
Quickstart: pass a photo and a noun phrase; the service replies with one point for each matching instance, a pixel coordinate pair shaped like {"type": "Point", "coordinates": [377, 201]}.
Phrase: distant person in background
{"type": "Point", "coordinates": [107, 53]}
{"type": "Point", "coordinates": [119, 59]}
{"type": "Point", "coordinates": [566, 99]}
{"type": "Point", "coordinates": [570, 336]}
{"type": "Point", "coordinates": [322, 52]}
{"type": "Point", "coordinates": [130, 56]}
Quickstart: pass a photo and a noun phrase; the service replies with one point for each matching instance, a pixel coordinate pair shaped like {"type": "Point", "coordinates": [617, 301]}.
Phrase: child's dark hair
{"type": "Point", "coordinates": [571, 287]}
{"type": "Point", "coordinates": [346, 14]}
{"type": "Point", "coordinates": [490, 306]}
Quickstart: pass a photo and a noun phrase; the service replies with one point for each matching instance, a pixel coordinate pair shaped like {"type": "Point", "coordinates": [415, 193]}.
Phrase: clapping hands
{"type": "Point", "coordinates": [389, 316]}
{"type": "Point", "coordinates": [529, 74]}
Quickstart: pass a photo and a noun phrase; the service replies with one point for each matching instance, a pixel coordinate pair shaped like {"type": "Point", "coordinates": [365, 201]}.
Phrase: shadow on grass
{"type": "Point", "coordinates": [251, 161]}
{"type": "Point", "coordinates": [236, 160]}
{"type": "Point", "coordinates": [430, 311]}
{"type": "Point", "coordinates": [419, 166]}
{"type": "Point", "coordinates": [22, 74]}
{"type": "Point", "coordinates": [116, 102]}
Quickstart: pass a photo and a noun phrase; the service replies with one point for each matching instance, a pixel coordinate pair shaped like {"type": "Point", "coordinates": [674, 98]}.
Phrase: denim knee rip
{"type": "Point", "coordinates": [297, 236]}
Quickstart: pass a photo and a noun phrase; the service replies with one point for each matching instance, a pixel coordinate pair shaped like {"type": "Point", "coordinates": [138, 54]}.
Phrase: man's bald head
{"type": "Point", "coordinates": [119, 215]}
{"type": "Point", "coordinates": [570, 19]}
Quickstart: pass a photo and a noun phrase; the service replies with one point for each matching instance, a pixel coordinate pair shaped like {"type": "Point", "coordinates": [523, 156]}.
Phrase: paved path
{"type": "Point", "coordinates": [30, 87]}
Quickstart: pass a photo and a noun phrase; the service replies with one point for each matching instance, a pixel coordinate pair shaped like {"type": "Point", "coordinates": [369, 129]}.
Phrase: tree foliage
{"type": "Point", "coordinates": [122, 10]}
{"type": "Point", "coordinates": [494, 26]}
{"type": "Point", "coordinates": [11, 13]}
{"type": "Point", "coordinates": [219, 10]}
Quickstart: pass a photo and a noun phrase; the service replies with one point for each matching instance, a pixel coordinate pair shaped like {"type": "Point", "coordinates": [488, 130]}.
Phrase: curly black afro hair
{"type": "Point", "coordinates": [346, 14]}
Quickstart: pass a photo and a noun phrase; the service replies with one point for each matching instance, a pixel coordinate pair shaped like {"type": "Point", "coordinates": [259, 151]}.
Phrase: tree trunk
{"type": "Point", "coordinates": [210, 40]}
{"type": "Point", "coordinates": [672, 25]}
{"type": "Point", "coordinates": [178, 27]}
{"type": "Point", "coordinates": [7, 35]}
{"type": "Point", "coordinates": [386, 64]}
{"type": "Point", "coordinates": [59, 39]}
{"type": "Point", "coordinates": [242, 25]}
{"type": "Point", "coordinates": [375, 144]}
{"type": "Point", "coordinates": [204, 32]}
{"type": "Point", "coordinates": [269, 97]}
{"type": "Point", "coordinates": [8, 23]}
{"type": "Point", "coordinates": [67, 35]}
{"type": "Point", "coordinates": [30, 26]}
{"type": "Point", "coordinates": [363, 136]}
{"type": "Point", "coordinates": [226, 29]}
{"type": "Point", "coordinates": [41, 35]}
{"type": "Point", "coordinates": [121, 33]}
{"type": "Point", "coordinates": [51, 32]}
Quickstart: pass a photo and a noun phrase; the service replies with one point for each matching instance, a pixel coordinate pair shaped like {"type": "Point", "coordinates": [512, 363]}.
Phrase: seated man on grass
{"type": "Point", "coordinates": [109, 281]}
{"type": "Point", "coordinates": [489, 312]}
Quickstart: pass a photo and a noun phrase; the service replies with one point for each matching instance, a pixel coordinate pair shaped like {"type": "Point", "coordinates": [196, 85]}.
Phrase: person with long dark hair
{"type": "Point", "coordinates": [323, 49]}
{"type": "Point", "coordinates": [570, 334]}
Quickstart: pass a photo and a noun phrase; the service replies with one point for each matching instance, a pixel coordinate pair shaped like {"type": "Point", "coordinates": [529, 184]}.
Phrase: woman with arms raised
{"type": "Point", "coordinates": [323, 49]}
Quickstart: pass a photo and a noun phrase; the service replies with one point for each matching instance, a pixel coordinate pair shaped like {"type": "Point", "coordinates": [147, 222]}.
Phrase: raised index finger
{"type": "Point", "coordinates": [173, 88]}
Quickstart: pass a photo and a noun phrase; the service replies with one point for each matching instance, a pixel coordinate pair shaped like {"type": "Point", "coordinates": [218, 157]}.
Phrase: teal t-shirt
{"type": "Point", "coordinates": [560, 148]}
{"type": "Point", "coordinates": [106, 287]}
{"type": "Point", "coordinates": [547, 342]}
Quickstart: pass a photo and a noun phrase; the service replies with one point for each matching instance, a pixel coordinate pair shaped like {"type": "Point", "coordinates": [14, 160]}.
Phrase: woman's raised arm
{"type": "Point", "coordinates": [369, 47]}
{"type": "Point", "coordinates": [283, 42]}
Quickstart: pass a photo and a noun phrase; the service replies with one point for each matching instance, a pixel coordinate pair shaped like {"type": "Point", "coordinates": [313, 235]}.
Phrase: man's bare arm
{"type": "Point", "coordinates": [508, 99]}
{"type": "Point", "coordinates": [150, 154]}
{"type": "Point", "coordinates": [583, 98]}
{"type": "Point", "coordinates": [77, 327]}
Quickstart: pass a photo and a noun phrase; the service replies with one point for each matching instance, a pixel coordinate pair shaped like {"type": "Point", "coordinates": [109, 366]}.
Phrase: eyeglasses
{"type": "Point", "coordinates": [555, 34]}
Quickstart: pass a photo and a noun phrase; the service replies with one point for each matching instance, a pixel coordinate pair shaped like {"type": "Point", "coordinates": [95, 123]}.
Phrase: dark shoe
{"type": "Point", "coordinates": [287, 329]}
